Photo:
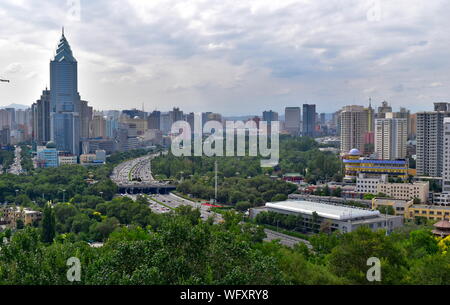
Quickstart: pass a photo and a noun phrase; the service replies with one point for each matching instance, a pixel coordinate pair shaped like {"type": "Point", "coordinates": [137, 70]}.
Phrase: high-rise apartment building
{"type": "Point", "coordinates": [430, 142]}
{"type": "Point", "coordinates": [309, 120]}
{"type": "Point", "coordinates": [446, 161]}
{"type": "Point", "coordinates": [292, 117]}
{"type": "Point", "coordinates": [353, 127]}
{"type": "Point", "coordinates": [98, 127]}
{"type": "Point", "coordinates": [391, 135]}
{"type": "Point", "coordinates": [5, 119]}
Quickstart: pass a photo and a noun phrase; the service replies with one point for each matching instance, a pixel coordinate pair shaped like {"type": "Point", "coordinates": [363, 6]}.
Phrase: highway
{"type": "Point", "coordinates": [134, 172]}
{"type": "Point", "coordinates": [16, 167]}
{"type": "Point", "coordinates": [173, 201]}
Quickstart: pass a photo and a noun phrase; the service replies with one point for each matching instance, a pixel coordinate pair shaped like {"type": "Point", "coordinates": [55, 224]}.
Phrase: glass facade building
{"type": "Point", "coordinates": [65, 99]}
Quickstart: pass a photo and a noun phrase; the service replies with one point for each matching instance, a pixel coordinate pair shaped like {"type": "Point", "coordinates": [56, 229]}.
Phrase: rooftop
{"type": "Point", "coordinates": [338, 212]}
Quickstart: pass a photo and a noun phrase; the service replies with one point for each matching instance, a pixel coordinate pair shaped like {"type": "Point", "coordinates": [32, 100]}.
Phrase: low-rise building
{"type": "Point", "coordinates": [10, 215]}
{"type": "Point", "coordinates": [355, 164]}
{"type": "Point", "coordinates": [405, 191]}
{"type": "Point", "coordinates": [338, 217]}
{"type": "Point", "coordinates": [369, 185]}
{"type": "Point", "coordinates": [47, 156]}
{"type": "Point", "coordinates": [400, 207]}
{"type": "Point", "coordinates": [93, 159]}
{"type": "Point", "coordinates": [432, 212]}
{"type": "Point", "coordinates": [67, 159]}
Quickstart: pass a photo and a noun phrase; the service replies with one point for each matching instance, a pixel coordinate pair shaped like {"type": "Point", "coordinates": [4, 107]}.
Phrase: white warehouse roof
{"type": "Point", "coordinates": [337, 212]}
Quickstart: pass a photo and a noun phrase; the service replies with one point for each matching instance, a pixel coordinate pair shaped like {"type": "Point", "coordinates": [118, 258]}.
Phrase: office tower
{"type": "Point", "coordinates": [391, 136]}
{"type": "Point", "coordinates": [430, 140]}
{"type": "Point", "coordinates": [270, 116]}
{"type": "Point", "coordinates": [309, 120]}
{"type": "Point", "coordinates": [176, 115]}
{"type": "Point", "coordinates": [154, 120]}
{"type": "Point", "coordinates": [353, 121]}
{"type": "Point", "coordinates": [292, 117]}
{"type": "Point", "coordinates": [190, 118]}
{"type": "Point", "coordinates": [166, 124]}
{"type": "Point", "coordinates": [86, 115]}
{"type": "Point", "coordinates": [65, 100]}
{"type": "Point", "coordinates": [40, 113]}
{"type": "Point", "coordinates": [98, 127]}
{"type": "Point", "coordinates": [323, 118]}
{"type": "Point", "coordinates": [112, 125]}
{"type": "Point", "coordinates": [441, 107]}
{"type": "Point", "coordinates": [370, 117]}
{"type": "Point", "coordinates": [383, 109]}
{"type": "Point", "coordinates": [115, 114]}
{"type": "Point", "coordinates": [135, 113]}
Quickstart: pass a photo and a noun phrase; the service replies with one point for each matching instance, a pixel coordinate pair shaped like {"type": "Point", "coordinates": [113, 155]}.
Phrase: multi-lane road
{"type": "Point", "coordinates": [139, 171]}
{"type": "Point", "coordinates": [165, 203]}
{"type": "Point", "coordinates": [16, 167]}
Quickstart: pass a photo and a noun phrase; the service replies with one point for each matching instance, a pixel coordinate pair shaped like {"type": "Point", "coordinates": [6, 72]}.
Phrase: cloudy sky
{"type": "Point", "coordinates": [229, 56]}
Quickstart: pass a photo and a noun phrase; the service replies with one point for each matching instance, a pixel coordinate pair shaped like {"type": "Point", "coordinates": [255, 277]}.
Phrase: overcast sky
{"type": "Point", "coordinates": [230, 56]}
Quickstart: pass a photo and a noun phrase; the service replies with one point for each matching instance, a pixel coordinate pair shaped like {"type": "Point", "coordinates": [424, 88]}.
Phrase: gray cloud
{"type": "Point", "coordinates": [233, 56]}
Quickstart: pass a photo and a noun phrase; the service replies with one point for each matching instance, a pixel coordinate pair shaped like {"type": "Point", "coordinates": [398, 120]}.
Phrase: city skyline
{"type": "Point", "coordinates": [200, 61]}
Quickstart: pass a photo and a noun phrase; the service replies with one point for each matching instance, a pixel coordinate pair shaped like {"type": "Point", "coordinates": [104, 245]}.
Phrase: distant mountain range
{"type": "Point", "coordinates": [16, 106]}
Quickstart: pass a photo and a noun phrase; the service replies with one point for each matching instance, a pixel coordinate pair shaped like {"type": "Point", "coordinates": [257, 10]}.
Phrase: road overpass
{"type": "Point", "coordinates": [135, 177]}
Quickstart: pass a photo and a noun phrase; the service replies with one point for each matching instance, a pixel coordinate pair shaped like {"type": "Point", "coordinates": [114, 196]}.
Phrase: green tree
{"type": "Point", "coordinates": [48, 225]}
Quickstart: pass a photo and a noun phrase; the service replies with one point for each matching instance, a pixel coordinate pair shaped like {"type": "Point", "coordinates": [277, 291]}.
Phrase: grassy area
{"type": "Point", "coordinates": [189, 198]}
{"type": "Point", "coordinates": [129, 173]}
{"type": "Point", "coordinates": [221, 210]}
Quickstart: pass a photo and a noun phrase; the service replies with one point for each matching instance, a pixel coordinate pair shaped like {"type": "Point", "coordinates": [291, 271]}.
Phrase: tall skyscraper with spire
{"type": "Point", "coordinates": [65, 100]}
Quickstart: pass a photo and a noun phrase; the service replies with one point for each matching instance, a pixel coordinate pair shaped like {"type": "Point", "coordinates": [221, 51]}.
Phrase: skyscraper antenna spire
{"type": "Point", "coordinates": [63, 30]}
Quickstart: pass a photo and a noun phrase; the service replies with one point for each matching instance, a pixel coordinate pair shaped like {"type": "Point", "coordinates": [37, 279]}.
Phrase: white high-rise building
{"type": "Point", "coordinates": [446, 163]}
{"type": "Point", "coordinates": [430, 142]}
{"type": "Point", "coordinates": [391, 136]}
{"type": "Point", "coordinates": [353, 128]}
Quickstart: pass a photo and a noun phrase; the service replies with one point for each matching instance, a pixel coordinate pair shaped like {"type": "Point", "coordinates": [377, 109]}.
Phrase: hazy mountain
{"type": "Point", "coordinates": [16, 106]}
